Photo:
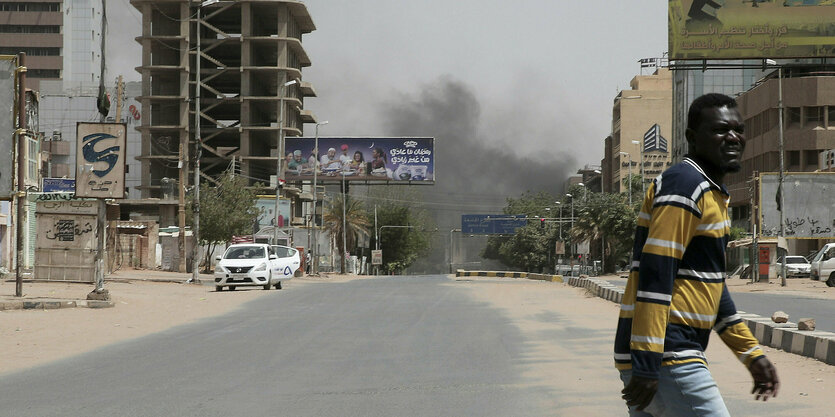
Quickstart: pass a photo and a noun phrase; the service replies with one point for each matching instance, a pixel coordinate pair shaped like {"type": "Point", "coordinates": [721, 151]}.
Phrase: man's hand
{"type": "Point", "coordinates": [766, 382]}
{"type": "Point", "coordinates": [639, 391]}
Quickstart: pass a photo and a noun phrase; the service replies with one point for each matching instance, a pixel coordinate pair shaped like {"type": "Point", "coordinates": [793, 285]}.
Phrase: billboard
{"type": "Point", "coordinates": [7, 123]}
{"type": "Point", "coordinates": [266, 212]}
{"type": "Point", "coordinates": [100, 160]}
{"type": "Point", "coordinates": [736, 29]}
{"type": "Point", "coordinates": [809, 211]}
{"type": "Point", "coordinates": [492, 224]}
{"type": "Point", "coordinates": [385, 160]}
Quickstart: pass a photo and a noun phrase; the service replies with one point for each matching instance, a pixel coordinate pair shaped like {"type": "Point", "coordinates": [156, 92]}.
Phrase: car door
{"type": "Point", "coordinates": [288, 260]}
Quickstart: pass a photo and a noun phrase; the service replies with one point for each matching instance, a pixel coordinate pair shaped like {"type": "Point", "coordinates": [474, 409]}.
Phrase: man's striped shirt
{"type": "Point", "coordinates": [676, 291]}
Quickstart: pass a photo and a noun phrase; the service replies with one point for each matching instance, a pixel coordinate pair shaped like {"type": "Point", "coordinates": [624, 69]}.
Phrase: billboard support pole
{"type": "Point", "coordinates": [21, 166]}
{"type": "Point", "coordinates": [782, 168]}
{"type": "Point", "coordinates": [315, 261]}
{"type": "Point", "coordinates": [279, 150]}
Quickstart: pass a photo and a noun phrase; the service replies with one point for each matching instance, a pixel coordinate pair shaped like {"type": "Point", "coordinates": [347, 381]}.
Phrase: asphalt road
{"type": "Point", "coordinates": [378, 347]}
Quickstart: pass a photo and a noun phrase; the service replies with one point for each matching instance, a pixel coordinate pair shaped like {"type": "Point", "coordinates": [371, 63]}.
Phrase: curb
{"type": "Point", "coordinates": [527, 275]}
{"type": "Point", "coordinates": [53, 304]}
{"type": "Point", "coordinates": [815, 344]}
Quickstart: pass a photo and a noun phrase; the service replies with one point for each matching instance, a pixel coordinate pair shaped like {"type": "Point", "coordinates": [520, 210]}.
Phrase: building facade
{"type": "Point", "coordinates": [809, 131]}
{"type": "Point", "coordinates": [61, 39]}
{"type": "Point", "coordinates": [641, 122]}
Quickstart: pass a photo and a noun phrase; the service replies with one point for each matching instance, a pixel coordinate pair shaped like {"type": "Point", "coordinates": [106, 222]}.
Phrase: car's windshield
{"type": "Point", "coordinates": [796, 260]}
{"type": "Point", "coordinates": [245, 252]}
{"type": "Point", "coordinates": [817, 256]}
{"type": "Point", "coordinates": [283, 251]}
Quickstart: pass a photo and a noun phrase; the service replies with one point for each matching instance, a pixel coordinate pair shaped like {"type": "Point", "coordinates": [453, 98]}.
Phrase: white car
{"type": "Point", "coordinates": [255, 264]}
{"type": "Point", "coordinates": [796, 266]}
{"type": "Point", "coordinates": [823, 264]}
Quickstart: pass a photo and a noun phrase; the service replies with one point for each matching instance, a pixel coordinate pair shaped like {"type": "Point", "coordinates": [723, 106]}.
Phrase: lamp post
{"type": "Point", "coordinates": [782, 166]}
{"type": "Point", "coordinates": [451, 251]}
{"type": "Point", "coordinates": [280, 152]}
{"type": "Point", "coordinates": [315, 261]}
{"type": "Point", "coordinates": [559, 221]}
{"type": "Point", "coordinates": [628, 176]}
{"type": "Point", "coordinates": [602, 237]}
{"type": "Point", "coordinates": [573, 249]}
{"type": "Point", "coordinates": [641, 150]}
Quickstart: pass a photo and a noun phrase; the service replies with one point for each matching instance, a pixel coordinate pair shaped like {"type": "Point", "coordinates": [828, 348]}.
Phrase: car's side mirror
{"type": "Point", "coordinates": [273, 257]}
{"type": "Point", "coordinates": [217, 258]}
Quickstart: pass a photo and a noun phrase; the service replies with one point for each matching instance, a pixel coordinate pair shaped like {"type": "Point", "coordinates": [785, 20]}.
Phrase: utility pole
{"type": "Point", "coordinates": [198, 144]}
{"type": "Point", "coordinates": [21, 168]}
{"type": "Point", "coordinates": [183, 165]}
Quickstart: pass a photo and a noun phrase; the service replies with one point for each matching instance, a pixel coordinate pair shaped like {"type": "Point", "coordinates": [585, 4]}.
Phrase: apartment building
{"type": "Point", "coordinates": [641, 122]}
{"type": "Point", "coordinates": [61, 39]}
{"type": "Point", "coordinates": [248, 51]}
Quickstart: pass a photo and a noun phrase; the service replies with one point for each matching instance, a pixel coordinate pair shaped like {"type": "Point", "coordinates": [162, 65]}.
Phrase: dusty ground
{"type": "Point", "coordinates": [29, 338]}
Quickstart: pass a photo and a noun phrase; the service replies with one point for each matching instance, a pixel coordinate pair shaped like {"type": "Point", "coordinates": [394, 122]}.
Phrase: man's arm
{"type": "Point", "coordinates": [737, 336]}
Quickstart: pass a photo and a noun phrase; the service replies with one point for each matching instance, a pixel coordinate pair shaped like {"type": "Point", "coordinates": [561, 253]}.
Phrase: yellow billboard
{"type": "Point", "coordinates": [737, 29]}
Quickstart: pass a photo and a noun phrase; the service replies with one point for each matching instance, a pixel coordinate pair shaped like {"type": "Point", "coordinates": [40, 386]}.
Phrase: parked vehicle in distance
{"type": "Point", "coordinates": [823, 264]}
{"type": "Point", "coordinates": [253, 264]}
{"type": "Point", "coordinates": [796, 266]}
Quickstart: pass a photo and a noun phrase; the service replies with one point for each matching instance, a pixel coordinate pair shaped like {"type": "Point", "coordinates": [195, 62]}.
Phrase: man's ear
{"type": "Point", "coordinates": [690, 135]}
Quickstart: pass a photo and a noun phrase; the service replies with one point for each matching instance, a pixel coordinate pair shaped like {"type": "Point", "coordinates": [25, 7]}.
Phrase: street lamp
{"type": "Point", "coordinates": [314, 262]}
{"type": "Point", "coordinates": [641, 149]}
{"type": "Point", "coordinates": [451, 251]}
{"type": "Point", "coordinates": [602, 237]}
{"type": "Point", "coordinates": [573, 249]}
{"type": "Point", "coordinates": [629, 176]}
{"type": "Point", "coordinates": [782, 166]}
{"type": "Point", "coordinates": [280, 151]}
{"type": "Point", "coordinates": [585, 190]}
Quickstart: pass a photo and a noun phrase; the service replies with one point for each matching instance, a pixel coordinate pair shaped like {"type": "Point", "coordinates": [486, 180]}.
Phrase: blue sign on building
{"type": "Point", "coordinates": [58, 185]}
{"type": "Point", "coordinates": [492, 224]}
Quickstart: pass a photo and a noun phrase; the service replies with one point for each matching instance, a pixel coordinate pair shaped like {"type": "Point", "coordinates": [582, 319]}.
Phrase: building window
{"type": "Point", "coordinates": [29, 29]}
{"type": "Point", "coordinates": [44, 73]}
{"type": "Point", "coordinates": [11, 50]}
{"type": "Point", "coordinates": [812, 158]}
{"type": "Point", "coordinates": [793, 115]}
{"type": "Point", "coordinates": [814, 116]}
{"type": "Point", "coordinates": [30, 7]}
{"type": "Point", "coordinates": [794, 158]}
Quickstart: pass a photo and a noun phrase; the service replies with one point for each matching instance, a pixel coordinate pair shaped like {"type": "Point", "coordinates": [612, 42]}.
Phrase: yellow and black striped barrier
{"type": "Point", "coordinates": [501, 274]}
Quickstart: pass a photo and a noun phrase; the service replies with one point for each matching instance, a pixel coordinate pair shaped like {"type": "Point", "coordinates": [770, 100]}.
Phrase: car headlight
{"type": "Point", "coordinates": [220, 269]}
{"type": "Point", "coordinates": [262, 267]}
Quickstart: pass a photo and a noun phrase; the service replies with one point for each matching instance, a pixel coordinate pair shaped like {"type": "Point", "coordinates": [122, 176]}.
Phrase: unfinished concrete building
{"type": "Point", "coordinates": [248, 49]}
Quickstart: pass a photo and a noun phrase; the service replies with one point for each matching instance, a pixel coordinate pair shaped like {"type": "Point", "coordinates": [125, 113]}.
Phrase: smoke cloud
{"type": "Point", "coordinates": [476, 168]}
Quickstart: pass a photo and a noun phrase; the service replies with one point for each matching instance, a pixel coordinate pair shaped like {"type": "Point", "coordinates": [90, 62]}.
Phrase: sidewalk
{"type": "Point", "coordinates": [49, 295]}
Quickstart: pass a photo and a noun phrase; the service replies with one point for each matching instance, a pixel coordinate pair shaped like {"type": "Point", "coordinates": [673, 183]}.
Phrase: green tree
{"type": "Point", "coordinates": [226, 209]}
{"type": "Point", "coordinates": [356, 223]}
{"type": "Point", "coordinates": [608, 217]}
{"type": "Point", "coordinates": [530, 248]}
{"type": "Point", "coordinates": [410, 228]}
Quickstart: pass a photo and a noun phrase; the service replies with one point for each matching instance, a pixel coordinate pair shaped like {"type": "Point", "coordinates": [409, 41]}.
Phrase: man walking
{"type": "Point", "coordinates": [676, 290]}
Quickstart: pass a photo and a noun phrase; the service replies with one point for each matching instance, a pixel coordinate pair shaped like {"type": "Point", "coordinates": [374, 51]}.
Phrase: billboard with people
{"type": "Point", "coordinates": [385, 160]}
{"type": "Point", "coordinates": [736, 29]}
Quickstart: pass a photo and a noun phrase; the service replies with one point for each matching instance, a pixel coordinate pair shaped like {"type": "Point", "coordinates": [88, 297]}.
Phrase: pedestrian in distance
{"type": "Point", "coordinates": [676, 291]}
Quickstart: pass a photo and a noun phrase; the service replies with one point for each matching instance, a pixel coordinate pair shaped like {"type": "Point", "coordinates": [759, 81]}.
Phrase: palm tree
{"type": "Point", "coordinates": [356, 223]}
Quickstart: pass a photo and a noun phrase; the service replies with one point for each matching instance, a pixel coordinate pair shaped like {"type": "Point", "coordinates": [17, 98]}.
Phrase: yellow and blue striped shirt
{"type": "Point", "coordinates": [676, 291]}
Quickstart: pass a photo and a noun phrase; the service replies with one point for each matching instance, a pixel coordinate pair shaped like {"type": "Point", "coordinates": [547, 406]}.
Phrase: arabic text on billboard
{"type": "Point", "coordinates": [409, 160]}
{"type": "Point", "coordinates": [492, 224]}
{"type": "Point", "coordinates": [735, 29]}
{"type": "Point", "coordinates": [808, 205]}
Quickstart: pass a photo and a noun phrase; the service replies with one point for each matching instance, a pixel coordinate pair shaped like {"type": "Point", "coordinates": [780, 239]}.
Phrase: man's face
{"type": "Point", "coordinates": [331, 154]}
{"type": "Point", "coordinates": [298, 157]}
{"type": "Point", "coordinates": [719, 139]}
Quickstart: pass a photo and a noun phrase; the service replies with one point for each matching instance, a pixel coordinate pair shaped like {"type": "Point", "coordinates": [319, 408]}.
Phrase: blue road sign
{"type": "Point", "coordinates": [492, 224]}
{"type": "Point", "coordinates": [58, 185]}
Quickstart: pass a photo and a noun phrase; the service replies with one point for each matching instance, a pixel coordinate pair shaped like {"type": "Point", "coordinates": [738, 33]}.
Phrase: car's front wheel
{"type": "Point", "coordinates": [278, 285]}
{"type": "Point", "coordinates": [831, 281]}
{"type": "Point", "coordinates": [269, 279]}
{"type": "Point", "coordinates": [218, 288]}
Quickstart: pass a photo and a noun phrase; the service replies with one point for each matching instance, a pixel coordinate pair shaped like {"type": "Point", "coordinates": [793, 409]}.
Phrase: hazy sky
{"type": "Point", "coordinates": [543, 73]}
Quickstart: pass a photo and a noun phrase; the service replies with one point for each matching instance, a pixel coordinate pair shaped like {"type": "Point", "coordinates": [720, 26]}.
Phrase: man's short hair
{"type": "Point", "coordinates": [694, 116]}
